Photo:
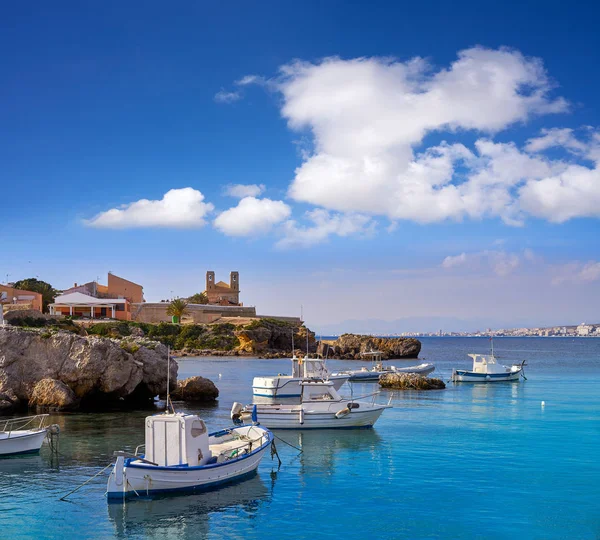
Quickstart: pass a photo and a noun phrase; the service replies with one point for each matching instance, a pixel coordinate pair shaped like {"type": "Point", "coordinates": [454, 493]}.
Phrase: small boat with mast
{"type": "Point", "coordinates": [486, 369]}
{"type": "Point", "coordinates": [180, 455]}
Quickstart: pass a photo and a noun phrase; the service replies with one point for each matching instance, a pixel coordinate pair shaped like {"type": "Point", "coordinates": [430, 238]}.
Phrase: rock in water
{"type": "Point", "coordinates": [410, 381]}
{"type": "Point", "coordinates": [96, 369]}
{"type": "Point", "coordinates": [195, 389]}
{"type": "Point", "coordinates": [351, 346]}
{"type": "Point", "coordinates": [52, 395]}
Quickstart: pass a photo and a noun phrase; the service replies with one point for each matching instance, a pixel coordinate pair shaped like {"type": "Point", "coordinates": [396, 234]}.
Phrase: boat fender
{"type": "Point", "coordinates": [301, 416]}
{"type": "Point", "coordinates": [342, 413]}
{"type": "Point", "coordinates": [236, 413]}
{"type": "Point", "coordinates": [488, 378]}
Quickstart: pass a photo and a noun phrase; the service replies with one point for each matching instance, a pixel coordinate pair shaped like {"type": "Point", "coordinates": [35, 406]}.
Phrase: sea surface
{"type": "Point", "coordinates": [470, 461]}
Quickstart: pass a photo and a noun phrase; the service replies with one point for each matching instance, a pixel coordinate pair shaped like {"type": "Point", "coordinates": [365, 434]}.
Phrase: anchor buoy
{"type": "Point", "coordinates": [343, 412]}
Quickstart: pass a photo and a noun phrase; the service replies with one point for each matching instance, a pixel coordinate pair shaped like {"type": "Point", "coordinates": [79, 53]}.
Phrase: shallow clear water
{"type": "Point", "coordinates": [471, 461]}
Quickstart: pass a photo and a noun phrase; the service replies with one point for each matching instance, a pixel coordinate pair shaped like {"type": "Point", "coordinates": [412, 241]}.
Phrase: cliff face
{"type": "Point", "coordinates": [95, 369]}
{"type": "Point", "coordinates": [267, 336]}
{"type": "Point", "coordinates": [351, 346]}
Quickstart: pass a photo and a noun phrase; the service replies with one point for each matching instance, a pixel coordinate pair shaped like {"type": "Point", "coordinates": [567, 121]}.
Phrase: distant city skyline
{"type": "Point", "coordinates": [388, 169]}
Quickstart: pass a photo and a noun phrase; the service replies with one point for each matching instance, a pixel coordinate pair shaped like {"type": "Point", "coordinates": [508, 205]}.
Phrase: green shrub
{"type": "Point", "coordinates": [129, 346]}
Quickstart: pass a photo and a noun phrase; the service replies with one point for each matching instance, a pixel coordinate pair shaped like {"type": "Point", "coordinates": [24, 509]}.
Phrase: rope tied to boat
{"type": "Point", "coordinates": [64, 497]}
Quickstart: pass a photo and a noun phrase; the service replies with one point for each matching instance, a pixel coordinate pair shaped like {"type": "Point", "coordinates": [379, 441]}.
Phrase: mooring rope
{"type": "Point", "coordinates": [86, 482]}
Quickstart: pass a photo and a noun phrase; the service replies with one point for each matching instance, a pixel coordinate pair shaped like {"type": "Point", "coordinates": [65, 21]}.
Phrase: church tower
{"type": "Point", "coordinates": [234, 281]}
{"type": "Point", "coordinates": [210, 281]}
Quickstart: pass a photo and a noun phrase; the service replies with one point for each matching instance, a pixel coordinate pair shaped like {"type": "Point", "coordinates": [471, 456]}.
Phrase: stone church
{"type": "Point", "coordinates": [222, 293]}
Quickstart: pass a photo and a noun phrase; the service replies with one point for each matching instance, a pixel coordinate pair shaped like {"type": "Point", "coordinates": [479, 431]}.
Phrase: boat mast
{"type": "Point", "coordinates": [169, 379]}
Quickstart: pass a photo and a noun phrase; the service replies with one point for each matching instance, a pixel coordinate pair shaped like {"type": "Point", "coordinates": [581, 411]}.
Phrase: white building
{"type": "Point", "coordinates": [584, 329]}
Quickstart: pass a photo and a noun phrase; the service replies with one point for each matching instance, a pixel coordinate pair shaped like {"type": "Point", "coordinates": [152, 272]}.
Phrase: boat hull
{"type": "Point", "coordinates": [373, 376]}
{"type": "Point", "coordinates": [130, 477]}
{"type": "Point", "coordinates": [460, 375]}
{"type": "Point", "coordinates": [21, 442]}
{"type": "Point", "coordinates": [291, 418]}
{"type": "Point", "coordinates": [285, 386]}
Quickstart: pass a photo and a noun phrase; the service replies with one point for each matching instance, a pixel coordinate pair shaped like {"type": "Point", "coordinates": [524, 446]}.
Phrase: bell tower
{"type": "Point", "coordinates": [210, 281]}
{"type": "Point", "coordinates": [234, 281]}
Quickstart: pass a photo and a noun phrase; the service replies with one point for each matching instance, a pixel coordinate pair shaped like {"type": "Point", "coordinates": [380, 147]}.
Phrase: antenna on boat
{"type": "Point", "coordinates": [492, 344]}
{"type": "Point", "coordinates": [169, 380]}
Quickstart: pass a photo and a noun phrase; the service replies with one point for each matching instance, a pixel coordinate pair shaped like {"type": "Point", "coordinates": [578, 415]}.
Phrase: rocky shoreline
{"type": "Point", "coordinates": [63, 366]}
{"type": "Point", "coordinates": [65, 371]}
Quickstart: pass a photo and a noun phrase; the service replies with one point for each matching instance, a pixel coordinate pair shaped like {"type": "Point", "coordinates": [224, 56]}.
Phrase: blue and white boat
{"type": "Point", "coordinates": [486, 369]}
{"type": "Point", "coordinates": [180, 455]}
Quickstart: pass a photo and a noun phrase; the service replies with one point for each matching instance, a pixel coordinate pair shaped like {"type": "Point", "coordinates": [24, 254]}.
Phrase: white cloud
{"type": "Point", "coordinates": [555, 137]}
{"type": "Point", "coordinates": [366, 116]}
{"type": "Point", "coordinates": [323, 225]}
{"type": "Point", "coordinates": [244, 190]}
{"type": "Point", "coordinates": [590, 272]}
{"type": "Point", "coordinates": [501, 263]}
{"type": "Point", "coordinates": [454, 260]}
{"type": "Point", "coordinates": [179, 208]}
{"type": "Point", "coordinates": [252, 217]}
{"type": "Point", "coordinates": [222, 96]}
{"type": "Point", "coordinates": [572, 192]}
{"type": "Point", "coordinates": [577, 272]}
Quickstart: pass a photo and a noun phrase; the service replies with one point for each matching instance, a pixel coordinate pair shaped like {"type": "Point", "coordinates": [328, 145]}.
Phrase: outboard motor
{"type": "Point", "coordinates": [236, 413]}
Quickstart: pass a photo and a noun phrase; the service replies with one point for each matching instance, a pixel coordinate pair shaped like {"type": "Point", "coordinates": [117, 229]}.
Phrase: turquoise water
{"type": "Point", "coordinates": [471, 461]}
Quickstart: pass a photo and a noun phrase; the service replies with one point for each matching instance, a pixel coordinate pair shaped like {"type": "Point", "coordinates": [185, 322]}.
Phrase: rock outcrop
{"type": "Point", "coordinates": [268, 335]}
{"type": "Point", "coordinates": [52, 395]}
{"type": "Point", "coordinates": [96, 370]}
{"type": "Point", "coordinates": [195, 389]}
{"type": "Point", "coordinates": [410, 381]}
{"type": "Point", "coordinates": [351, 347]}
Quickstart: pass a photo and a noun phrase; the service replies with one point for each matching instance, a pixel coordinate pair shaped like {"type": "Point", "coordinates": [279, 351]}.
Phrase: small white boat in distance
{"type": "Point", "coordinates": [23, 435]}
{"type": "Point", "coordinates": [372, 374]}
{"type": "Point", "coordinates": [182, 456]}
{"type": "Point", "coordinates": [303, 369]}
{"type": "Point", "coordinates": [486, 369]}
{"type": "Point", "coordinates": [320, 407]}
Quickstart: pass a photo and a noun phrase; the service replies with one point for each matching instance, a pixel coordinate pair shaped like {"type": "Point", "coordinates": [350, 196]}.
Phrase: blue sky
{"type": "Point", "coordinates": [460, 190]}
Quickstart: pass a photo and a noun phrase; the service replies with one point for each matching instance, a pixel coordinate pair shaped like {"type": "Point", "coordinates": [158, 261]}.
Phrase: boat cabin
{"type": "Point", "coordinates": [309, 368]}
{"type": "Point", "coordinates": [486, 363]}
{"type": "Point", "coordinates": [319, 391]}
{"type": "Point", "coordinates": [177, 439]}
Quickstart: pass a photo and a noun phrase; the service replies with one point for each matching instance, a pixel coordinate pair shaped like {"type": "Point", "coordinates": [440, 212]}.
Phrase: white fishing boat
{"type": "Point", "coordinates": [320, 407]}
{"type": "Point", "coordinates": [486, 369]}
{"type": "Point", "coordinates": [303, 369]}
{"type": "Point", "coordinates": [378, 368]}
{"type": "Point", "coordinates": [180, 455]}
{"type": "Point", "coordinates": [23, 435]}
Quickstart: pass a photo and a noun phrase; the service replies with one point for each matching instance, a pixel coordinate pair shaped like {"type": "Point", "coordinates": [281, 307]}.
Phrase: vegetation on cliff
{"type": "Point", "coordinates": [261, 336]}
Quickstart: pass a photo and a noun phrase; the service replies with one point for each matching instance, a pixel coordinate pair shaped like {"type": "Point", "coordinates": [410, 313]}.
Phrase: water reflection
{"type": "Point", "coordinates": [189, 515]}
{"type": "Point", "coordinates": [324, 450]}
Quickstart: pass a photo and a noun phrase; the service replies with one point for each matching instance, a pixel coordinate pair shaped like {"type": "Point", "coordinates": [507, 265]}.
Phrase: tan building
{"type": "Point", "coordinates": [117, 287]}
{"type": "Point", "coordinates": [12, 298]}
{"type": "Point", "coordinates": [222, 293]}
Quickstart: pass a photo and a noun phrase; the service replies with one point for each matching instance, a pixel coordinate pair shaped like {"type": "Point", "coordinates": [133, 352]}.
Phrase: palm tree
{"type": "Point", "coordinates": [177, 309]}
